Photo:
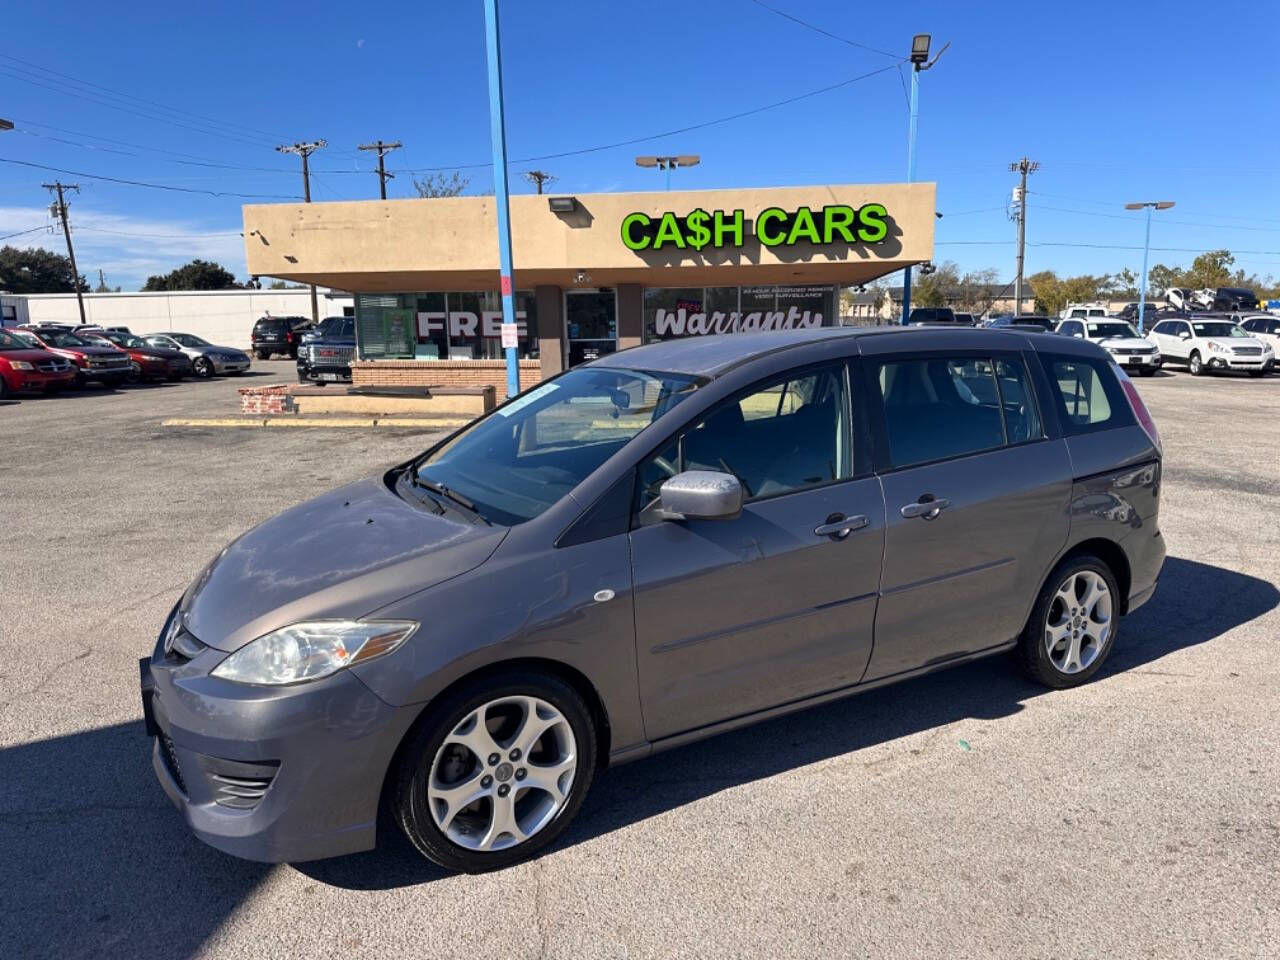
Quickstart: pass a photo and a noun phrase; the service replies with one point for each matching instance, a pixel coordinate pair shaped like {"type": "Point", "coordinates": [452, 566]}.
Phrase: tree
{"type": "Point", "coordinates": [1050, 295]}
{"type": "Point", "coordinates": [1212, 269]}
{"type": "Point", "coordinates": [196, 275]}
{"type": "Point", "coordinates": [935, 289]}
{"type": "Point", "coordinates": [1122, 286]}
{"type": "Point", "coordinates": [973, 293]}
{"type": "Point", "coordinates": [36, 271]}
{"type": "Point", "coordinates": [442, 185]}
{"type": "Point", "coordinates": [1160, 278]}
{"type": "Point", "coordinates": [281, 285]}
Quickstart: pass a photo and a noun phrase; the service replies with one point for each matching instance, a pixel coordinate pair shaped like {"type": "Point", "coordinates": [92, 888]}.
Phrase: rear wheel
{"type": "Point", "coordinates": [263, 354]}
{"type": "Point", "coordinates": [1194, 365]}
{"type": "Point", "coordinates": [496, 772]}
{"type": "Point", "coordinates": [4, 388]}
{"type": "Point", "coordinates": [1072, 627]}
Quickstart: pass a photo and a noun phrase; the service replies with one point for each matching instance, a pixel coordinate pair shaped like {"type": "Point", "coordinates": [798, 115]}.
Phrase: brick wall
{"type": "Point", "coordinates": [270, 399]}
{"type": "Point", "coordinates": [443, 373]}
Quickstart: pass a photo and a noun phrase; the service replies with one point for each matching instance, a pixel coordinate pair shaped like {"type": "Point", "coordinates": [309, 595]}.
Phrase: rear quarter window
{"type": "Point", "coordinates": [1088, 394]}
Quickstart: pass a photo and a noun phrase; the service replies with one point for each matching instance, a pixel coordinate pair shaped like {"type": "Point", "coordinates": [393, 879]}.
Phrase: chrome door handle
{"type": "Point", "coordinates": [841, 528]}
{"type": "Point", "coordinates": [927, 509]}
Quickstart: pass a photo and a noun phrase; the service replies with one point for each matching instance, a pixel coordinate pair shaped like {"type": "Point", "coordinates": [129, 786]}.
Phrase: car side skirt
{"type": "Point", "coordinates": [640, 751]}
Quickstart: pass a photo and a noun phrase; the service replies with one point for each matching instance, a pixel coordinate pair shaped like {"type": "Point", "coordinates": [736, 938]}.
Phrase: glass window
{"type": "Point", "coordinates": [1089, 397]}
{"type": "Point", "coordinates": [1220, 328]}
{"type": "Point", "coordinates": [788, 434]}
{"type": "Point", "coordinates": [519, 460]}
{"type": "Point", "coordinates": [1021, 415]}
{"type": "Point", "coordinates": [430, 325]}
{"type": "Point", "coordinates": [440, 326]}
{"type": "Point", "coordinates": [662, 311]}
{"type": "Point", "coordinates": [937, 408]}
{"type": "Point", "coordinates": [385, 325]}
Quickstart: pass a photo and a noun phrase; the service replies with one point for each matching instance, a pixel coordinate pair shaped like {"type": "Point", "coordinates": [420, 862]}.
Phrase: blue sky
{"type": "Point", "coordinates": [1117, 101]}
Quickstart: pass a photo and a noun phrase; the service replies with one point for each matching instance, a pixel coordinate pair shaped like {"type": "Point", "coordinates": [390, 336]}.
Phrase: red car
{"type": "Point", "coordinates": [91, 360]}
{"type": "Point", "coordinates": [147, 362]}
{"type": "Point", "coordinates": [24, 367]}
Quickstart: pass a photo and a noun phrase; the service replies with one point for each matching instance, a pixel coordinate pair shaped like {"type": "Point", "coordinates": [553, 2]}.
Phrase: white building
{"type": "Point", "coordinates": [220, 316]}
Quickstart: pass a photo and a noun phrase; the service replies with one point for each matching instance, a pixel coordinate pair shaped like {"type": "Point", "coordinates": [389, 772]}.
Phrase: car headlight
{"type": "Point", "coordinates": [313, 649]}
{"type": "Point", "coordinates": [20, 365]}
{"type": "Point", "coordinates": [1217, 347]}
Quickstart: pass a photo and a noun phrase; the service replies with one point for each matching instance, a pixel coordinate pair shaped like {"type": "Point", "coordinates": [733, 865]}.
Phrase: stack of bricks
{"type": "Point", "coordinates": [270, 399]}
{"type": "Point", "coordinates": [443, 373]}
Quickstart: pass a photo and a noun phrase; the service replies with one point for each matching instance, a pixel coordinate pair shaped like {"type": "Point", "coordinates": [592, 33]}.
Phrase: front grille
{"type": "Point", "coordinates": [108, 362]}
{"type": "Point", "coordinates": [239, 793]}
{"type": "Point", "coordinates": [331, 356]}
{"type": "Point", "coordinates": [53, 366]}
{"type": "Point", "coordinates": [1248, 351]}
{"type": "Point", "coordinates": [170, 759]}
{"type": "Point", "coordinates": [1134, 351]}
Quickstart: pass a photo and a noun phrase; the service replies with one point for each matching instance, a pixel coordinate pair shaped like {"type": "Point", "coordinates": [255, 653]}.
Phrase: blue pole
{"type": "Point", "coordinates": [1142, 294]}
{"type": "Point", "coordinates": [668, 166]}
{"type": "Point", "coordinates": [498, 134]}
{"type": "Point", "coordinates": [911, 175]}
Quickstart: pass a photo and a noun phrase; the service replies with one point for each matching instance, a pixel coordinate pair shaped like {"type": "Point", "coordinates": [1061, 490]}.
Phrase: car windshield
{"type": "Point", "coordinates": [525, 456]}
{"type": "Point", "coordinates": [188, 340]}
{"type": "Point", "coordinates": [126, 340]}
{"type": "Point", "coordinates": [11, 341]}
{"type": "Point", "coordinates": [1222, 329]}
{"type": "Point", "coordinates": [59, 338]}
{"type": "Point", "coordinates": [1105, 331]}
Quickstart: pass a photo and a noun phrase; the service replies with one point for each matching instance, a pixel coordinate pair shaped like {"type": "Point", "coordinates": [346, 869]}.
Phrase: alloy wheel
{"type": "Point", "coordinates": [502, 774]}
{"type": "Point", "coordinates": [1078, 624]}
{"type": "Point", "coordinates": [1194, 365]}
{"type": "Point", "coordinates": [203, 367]}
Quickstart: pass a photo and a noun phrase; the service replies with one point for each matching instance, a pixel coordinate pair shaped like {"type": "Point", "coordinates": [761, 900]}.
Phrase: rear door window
{"type": "Point", "coordinates": [1088, 394]}
{"type": "Point", "coordinates": [936, 408]}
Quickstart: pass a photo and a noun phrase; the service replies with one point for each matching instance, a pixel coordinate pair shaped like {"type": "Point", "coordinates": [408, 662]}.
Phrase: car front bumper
{"type": "Point", "coordinates": [276, 774]}
{"type": "Point", "coordinates": [1139, 360]}
{"type": "Point", "coordinates": [319, 372]}
{"type": "Point", "coordinates": [1219, 362]}
{"type": "Point", "coordinates": [36, 380]}
{"type": "Point", "coordinates": [229, 366]}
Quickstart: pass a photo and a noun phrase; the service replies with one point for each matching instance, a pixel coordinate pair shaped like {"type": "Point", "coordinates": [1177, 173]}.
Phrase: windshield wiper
{"type": "Point", "coordinates": [418, 480]}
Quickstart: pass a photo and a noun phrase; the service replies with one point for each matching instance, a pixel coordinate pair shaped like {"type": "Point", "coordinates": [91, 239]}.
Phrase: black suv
{"type": "Point", "coordinates": [278, 335]}
{"type": "Point", "coordinates": [931, 315]}
{"type": "Point", "coordinates": [326, 356]}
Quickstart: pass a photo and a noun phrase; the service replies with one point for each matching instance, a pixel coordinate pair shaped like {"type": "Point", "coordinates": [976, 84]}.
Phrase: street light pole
{"type": "Point", "coordinates": [919, 62]}
{"type": "Point", "coordinates": [669, 163]}
{"type": "Point", "coordinates": [498, 134]}
{"type": "Point", "coordinates": [1146, 252]}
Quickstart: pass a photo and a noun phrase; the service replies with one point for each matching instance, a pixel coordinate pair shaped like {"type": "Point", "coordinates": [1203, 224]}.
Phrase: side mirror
{"type": "Point", "coordinates": [1078, 334]}
{"type": "Point", "coordinates": [701, 495]}
{"type": "Point", "coordinates": [1184, 335]}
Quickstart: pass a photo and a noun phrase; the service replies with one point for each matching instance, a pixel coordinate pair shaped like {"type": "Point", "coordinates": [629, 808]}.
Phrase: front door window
{"type": "Point", "coordinates": [591, 324]}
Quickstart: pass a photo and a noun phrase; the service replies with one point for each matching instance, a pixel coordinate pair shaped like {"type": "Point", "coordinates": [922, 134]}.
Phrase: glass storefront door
{"type": "Point", "coordinates": [590, 324]}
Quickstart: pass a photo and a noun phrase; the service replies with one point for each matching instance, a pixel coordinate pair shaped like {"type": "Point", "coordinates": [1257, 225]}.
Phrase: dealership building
{"type": "Point", "coordinates": [593, 273]}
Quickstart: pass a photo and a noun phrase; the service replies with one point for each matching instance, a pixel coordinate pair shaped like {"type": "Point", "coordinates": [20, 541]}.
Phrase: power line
{"type": "Point", "coordinates": [304, 149]}
{"type": "Point", "coordinates": [826, 33]}
{"type": "Point", "coordinates": [1095, 246]}
{"type": "Point", "coordinates": [658, 136]}
{"type": "Point", "coordinates": [540, 178]}
{"type": "Point", "coordinates": [182, 112]}
{"type": "Point", "coordinates": [383, 149]}
{"type": "Point", "coordinates": [153, 186]}
{"type": "Point", "coordinates": [61, 211]}
{"type": "Point", "coordinates": [23, 233]}
{"type": "Point", "coordinates": [1187, 223]}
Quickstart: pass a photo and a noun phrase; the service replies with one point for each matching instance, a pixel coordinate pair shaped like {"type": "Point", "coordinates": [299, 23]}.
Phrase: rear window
{"type": "Point", "coordinates": [1089, 396]}
{"type": "Point", "coordinates": [271, 325]}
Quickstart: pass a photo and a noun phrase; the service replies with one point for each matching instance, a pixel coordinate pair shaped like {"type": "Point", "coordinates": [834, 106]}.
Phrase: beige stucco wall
{"type": "Point", "coordinates": [451, 243]}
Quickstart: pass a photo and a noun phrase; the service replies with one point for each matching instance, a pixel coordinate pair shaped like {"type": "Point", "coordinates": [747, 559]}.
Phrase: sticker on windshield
{"type": "Point", "coordinates": [515, 406]}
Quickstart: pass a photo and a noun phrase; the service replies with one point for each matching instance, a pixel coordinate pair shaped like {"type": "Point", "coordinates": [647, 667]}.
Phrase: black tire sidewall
{"type": "Point", "coordinates": [1195, 365]}
{"type": "Point", "coordinates": [1032, 654]}
{"type": "Point", "coordinates": [409, 798]}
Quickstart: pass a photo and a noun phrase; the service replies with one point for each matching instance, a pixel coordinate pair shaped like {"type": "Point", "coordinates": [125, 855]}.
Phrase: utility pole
{"type": "Point", "coordinates": [61, 212]}
{"type": "Point", "coordinates": [383, 149]}
{"type": "Point", "coordinates": [1024, 167]}
{"type": "Point", "coordinates": [539, 177]}
{"type": "Point", "coordinates": [305, 150]}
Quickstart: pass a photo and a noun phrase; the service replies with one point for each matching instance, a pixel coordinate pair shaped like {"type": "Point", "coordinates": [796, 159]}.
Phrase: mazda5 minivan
{"type": "Point", "coordinates": [651, 548]}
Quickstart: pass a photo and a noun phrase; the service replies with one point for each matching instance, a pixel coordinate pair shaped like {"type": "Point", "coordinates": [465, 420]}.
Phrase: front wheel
{"type": "Point", "coordinates": [1072, 627]}
{"type": "Point", "coordinates": [496, 772]}
{"type": "Point", "coordinates": [1194, 365]}
{"type": "Point", "coordinates": [203, 367]}
{"type": "Point", "coordinates": [1147, 371]}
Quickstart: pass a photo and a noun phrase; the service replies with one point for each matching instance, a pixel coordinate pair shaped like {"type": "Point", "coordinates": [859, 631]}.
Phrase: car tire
{"type": "Point", "coordinates": [1258, 373]}
{"type": "Point", "coordinates": [1194, 366]}
{"type": "Point", "coordinates": [135, 373]}
{"type": "Point", "coordinates": [263, 354]}
{"type": "Point", "coordinates": [1072, 627]}
{"type": "Point", "coordinates": [4, 389]}
{"type": "Point", "coordinates": [1147, 371]}
{"type": "Point", "coordinates": [444, 750]}
{"type": "Point", "coordinates": [203, 368]}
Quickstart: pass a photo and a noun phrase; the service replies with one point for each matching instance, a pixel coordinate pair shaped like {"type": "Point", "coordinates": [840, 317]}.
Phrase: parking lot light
{"type": "Point", "coordinates": [1146, 251]}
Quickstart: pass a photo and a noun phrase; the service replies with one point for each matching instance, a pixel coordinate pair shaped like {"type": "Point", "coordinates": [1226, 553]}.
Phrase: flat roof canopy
{"type": "Point", "coordinates": [786, 235]}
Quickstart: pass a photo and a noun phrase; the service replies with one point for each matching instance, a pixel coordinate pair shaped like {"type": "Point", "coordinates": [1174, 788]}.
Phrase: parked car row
{"type": "Point", "coordinates": [53, 357]}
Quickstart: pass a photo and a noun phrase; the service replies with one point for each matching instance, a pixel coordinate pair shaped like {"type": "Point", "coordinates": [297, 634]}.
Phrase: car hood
{"type": "Point", "coordinates": [1128, 343]}
{"type": "Point", "coordinates": [1230, 342]}
{"type": "Point", "coordinates": [341, 555]}
{"type": "Point", "coordinates": [32, 355]}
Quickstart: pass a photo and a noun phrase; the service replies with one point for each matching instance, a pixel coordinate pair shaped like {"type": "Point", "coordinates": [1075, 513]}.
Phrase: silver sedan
{"type": "Point", "coordinates": [207, 359]}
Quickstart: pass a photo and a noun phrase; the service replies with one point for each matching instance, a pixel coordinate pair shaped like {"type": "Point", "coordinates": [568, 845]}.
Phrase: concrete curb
{"type": "Point", "coordinates": [420, 423]}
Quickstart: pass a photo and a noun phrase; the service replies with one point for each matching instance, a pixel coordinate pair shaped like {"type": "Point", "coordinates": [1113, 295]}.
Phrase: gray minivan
{"type": "Point", "coordinates": [651, 548]}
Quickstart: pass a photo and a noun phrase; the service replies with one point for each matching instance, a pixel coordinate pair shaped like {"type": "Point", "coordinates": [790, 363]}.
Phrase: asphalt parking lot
{"type": "Point", "coordinates": [967, 813]}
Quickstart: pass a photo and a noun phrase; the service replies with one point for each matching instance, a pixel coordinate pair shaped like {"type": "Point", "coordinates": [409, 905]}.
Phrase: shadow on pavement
{"type": "Point", "coordinates": [1175, 618]}
{"type": "Point", "coordinates": [96, 862]}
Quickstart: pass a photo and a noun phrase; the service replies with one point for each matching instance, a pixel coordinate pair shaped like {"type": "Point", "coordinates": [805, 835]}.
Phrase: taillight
{"type": "Point", "coordinates": [1139, 408]}
{"type": "Point", "coordinates": [288, 338]}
